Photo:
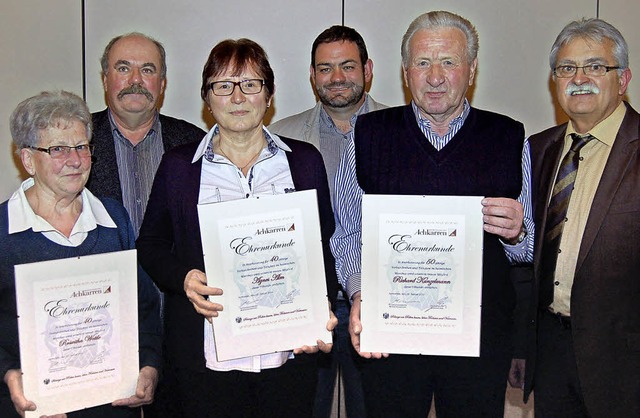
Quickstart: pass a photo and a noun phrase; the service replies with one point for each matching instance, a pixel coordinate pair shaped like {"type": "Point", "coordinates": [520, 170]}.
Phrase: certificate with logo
{"type": "Point", "coordinates": [78, 327]}
{"type": "Point", "coordinates": [266, 255]}
{"type": "Point", "coordinates": [421, 274]}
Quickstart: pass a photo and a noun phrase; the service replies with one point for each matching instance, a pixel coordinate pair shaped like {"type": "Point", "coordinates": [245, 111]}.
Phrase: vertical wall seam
{"type": "Point", "coordinates": [84, 50]}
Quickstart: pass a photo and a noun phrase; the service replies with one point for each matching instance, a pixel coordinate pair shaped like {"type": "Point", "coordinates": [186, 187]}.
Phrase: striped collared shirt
{"type": "Point", "coordinates": [346, 242]}
{"type": "Point", "coordinates": [137, 166]}
{"type": "Point", "coordinates": [221, 181]}
{"type": "Point", "coordinates": [434, 139]}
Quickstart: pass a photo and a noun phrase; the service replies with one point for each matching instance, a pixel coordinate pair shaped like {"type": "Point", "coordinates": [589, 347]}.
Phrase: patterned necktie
{"type": "Point", "coordinates": [557, 215]}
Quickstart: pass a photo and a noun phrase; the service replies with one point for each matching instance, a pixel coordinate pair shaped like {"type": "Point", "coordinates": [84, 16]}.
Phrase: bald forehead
{"type": "Point", "coordinates": [135, 48]}
{"type": "Point", "coordinates": [438, 39]}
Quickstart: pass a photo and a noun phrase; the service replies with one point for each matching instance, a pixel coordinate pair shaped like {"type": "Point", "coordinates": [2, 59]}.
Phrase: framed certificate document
{"type": "Point", "coordinates": [421, 283]}
{"type": "Point", "coordinates": [78, 327]}
{"type": "Point", "coordinates": [266, 256]}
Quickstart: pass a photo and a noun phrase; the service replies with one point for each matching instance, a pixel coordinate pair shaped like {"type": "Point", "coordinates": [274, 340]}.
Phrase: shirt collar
{"type": "Point", "coordinates": [205, 148]}
{"type": "Point", "coordinates": [22, 217]}
{"type": "Point", "coordinates": [155, 126]}
{"type": "Point", "coordinates": [426, 124]}
{"type": "Point", "coordinates": [605, 131]}
{"type": "Point", "coordinates": [364, 108]}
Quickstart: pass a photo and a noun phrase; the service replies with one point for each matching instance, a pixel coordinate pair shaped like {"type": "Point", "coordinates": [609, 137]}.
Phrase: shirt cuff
{"type": "Point", "coordinates": [353, 285]}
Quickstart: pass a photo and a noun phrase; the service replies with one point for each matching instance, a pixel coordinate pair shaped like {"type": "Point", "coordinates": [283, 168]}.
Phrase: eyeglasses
{"type": "Point", "coordinates": [58, 152]}
{"type": "Point", "coordinates": [225, 88]}
{"type": "Point", "coordinates": [593, 70]}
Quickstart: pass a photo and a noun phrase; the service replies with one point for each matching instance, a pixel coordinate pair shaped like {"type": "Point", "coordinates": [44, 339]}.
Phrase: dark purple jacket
{"type": "Point", "coordinates": [169, 244]}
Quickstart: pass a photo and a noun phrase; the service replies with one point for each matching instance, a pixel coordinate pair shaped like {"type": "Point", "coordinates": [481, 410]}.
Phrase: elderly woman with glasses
{"type": "Point", "coordinates": [53, 216]}
{"type": "Point", "coordinates": [238, 159]}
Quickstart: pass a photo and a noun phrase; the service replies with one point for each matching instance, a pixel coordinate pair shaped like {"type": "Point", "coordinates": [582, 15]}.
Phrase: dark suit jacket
{"type": "Point", "coordinates": [104, 179]}
{"type": "Point", "coordinates": [169, 244]}
{"type": "Point", "coordinates": [605, 297]}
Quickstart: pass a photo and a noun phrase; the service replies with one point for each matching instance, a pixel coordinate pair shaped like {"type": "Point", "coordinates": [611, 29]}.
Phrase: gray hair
{"type": "Point", "coordinates": [441, 19]}
{"type": "Point", "coordinates": [45, 110]}
{"type": "Point", "coordinates": [104, 60]}
{"type": "Point", "coordinates": [595, 30]}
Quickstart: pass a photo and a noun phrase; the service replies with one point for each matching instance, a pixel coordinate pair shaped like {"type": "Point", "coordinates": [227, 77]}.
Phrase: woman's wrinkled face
{"type": "Point", "coordinates": [239, 112]}
{"type": "Point", "coordinates": [61, 177]}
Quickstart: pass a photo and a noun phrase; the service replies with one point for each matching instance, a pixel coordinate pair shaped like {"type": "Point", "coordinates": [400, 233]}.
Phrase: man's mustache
{"type": "Point", "coordinates": [583, 88]}
{"type": "Point", "coordinates": [339, 85]}
{"type": "Point", "coordinates": [135, 89]}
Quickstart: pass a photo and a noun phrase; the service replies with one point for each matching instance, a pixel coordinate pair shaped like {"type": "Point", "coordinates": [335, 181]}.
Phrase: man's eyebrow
{"type": "Point", "coordinates": [349, 61]}
{"type": "Point", "coordinates": [328, 64]}
{"type": "Point", "coordinates": [122, 62]}
{"type": "Point", "coordinates": [125, 62]}
{"type": "Point", "coordinates": [591, 60]}
{"type": "Point", "coordinates": [595, 60]}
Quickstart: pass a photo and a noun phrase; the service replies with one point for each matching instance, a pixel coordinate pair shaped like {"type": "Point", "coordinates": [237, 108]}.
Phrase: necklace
{"type": "Point", "coordinates": [244, 166]}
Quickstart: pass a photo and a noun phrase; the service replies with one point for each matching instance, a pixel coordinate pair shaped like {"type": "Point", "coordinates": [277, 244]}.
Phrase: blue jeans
{"type": "Point", "coordinates": [343, 361]}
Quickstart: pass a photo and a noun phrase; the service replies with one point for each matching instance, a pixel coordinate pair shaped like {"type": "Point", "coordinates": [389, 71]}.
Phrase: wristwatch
{"type": "Point", "coordinates": [522, 235]}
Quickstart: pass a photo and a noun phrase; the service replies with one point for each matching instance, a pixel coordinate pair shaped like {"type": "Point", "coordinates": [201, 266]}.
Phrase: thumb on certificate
{"type": "Point", "coordinates": [145, 388]}
{"type": "Point", "coordinates": [332, 322]}
{"type": "Point", "coordinates": [13, 379]}
{"type": "Point", "coordinates": [325, 347]}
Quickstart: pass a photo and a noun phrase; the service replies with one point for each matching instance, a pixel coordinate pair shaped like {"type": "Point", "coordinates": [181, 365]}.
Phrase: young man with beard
{"type": "Point", "coordinates": [340, 70]}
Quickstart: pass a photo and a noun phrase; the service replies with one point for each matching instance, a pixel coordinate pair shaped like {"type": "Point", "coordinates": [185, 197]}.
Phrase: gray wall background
{"type": "Point", "coordinates": [42, 48]}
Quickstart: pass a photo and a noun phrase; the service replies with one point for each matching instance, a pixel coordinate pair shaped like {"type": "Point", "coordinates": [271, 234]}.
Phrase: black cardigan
{"type": "Point", "coordinates": [169, 244]}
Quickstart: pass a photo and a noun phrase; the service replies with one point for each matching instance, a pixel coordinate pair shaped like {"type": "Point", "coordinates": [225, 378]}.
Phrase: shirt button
{"type": "Point", "coordinates": [557, 283]}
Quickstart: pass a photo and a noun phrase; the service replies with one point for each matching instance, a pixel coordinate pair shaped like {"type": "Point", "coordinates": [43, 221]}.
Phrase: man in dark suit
{"type": "Point", "coordinates": [130, 136]}
{"type": "Point", "coordinates": [585, 321]}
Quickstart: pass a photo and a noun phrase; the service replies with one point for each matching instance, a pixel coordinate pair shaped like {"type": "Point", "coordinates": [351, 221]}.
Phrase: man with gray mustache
{"type": "Point", "coordinates": [584, 329]}
{"type": "Point", "coordinates": [130, 137]}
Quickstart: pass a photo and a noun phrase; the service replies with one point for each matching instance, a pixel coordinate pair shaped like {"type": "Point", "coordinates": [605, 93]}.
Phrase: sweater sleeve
{"type": "Point", "coordinates": [9, 349]}
{"type": "Point", "coordinates": [149, 324]}
{"type": "Point", "coordinates": [157, 243]}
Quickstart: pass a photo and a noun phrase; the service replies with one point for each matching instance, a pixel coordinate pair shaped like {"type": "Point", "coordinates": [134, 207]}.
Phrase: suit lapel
{"type": "Point", "coordinates": [622, 154]}
{"type": "Point", "coordinates": [550, 163]}
{"type": "Point", "coordinates": [102, 180]}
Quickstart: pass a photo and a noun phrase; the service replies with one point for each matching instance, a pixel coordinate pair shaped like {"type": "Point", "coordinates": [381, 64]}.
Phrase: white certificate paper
{"type": "Point", "coordinates": [266, 256]}
{"type": "Point", "coordinates": [78, 327]}
{"type": "Point", "coordinates": [421, 283]}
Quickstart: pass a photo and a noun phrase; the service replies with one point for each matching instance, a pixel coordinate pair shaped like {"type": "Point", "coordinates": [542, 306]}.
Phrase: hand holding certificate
{"type": "Point", "coordinates": [265, 255]}
{"type": "Point", "coordinates": [77, 347]}
{"type": "Point", "coordinates": [421, 275]}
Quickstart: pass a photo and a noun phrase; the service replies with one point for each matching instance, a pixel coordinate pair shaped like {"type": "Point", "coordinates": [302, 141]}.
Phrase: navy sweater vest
{"type": "Point", "coordinates": [483, 159]}
{"type": "Point", "coordinates": [28, 247]}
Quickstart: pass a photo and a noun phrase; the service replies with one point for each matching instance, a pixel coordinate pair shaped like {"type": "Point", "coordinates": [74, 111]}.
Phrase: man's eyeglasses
{"type": "Point", "coordinates": [63, 151]}
{"type": "Point", "coordinates": [592, 70]}
{"type": "Point", "coordinates": [225, 88]}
